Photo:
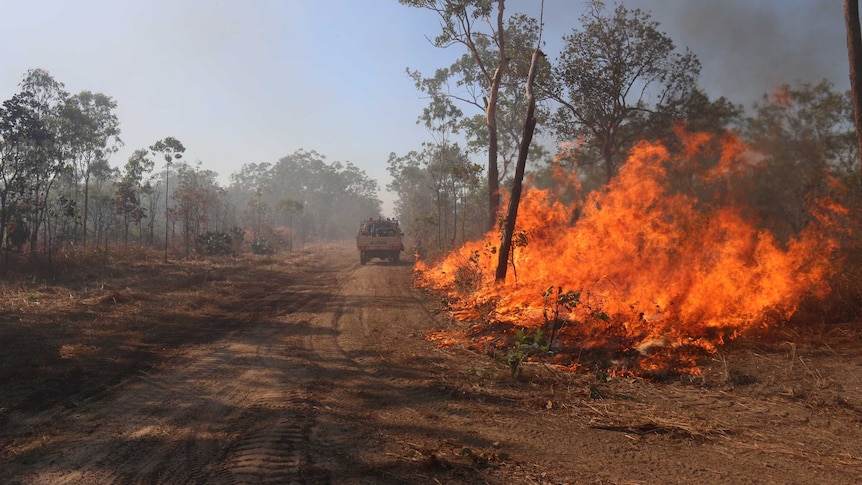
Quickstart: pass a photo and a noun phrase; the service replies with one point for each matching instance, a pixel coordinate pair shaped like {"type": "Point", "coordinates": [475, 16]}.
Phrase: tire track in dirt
{"type": "Point", "coordinates": [282, 450]}
{"type": "Point", "coordinates": [321, 375]}
{"type": "Point", "coordinates": [233, 411]}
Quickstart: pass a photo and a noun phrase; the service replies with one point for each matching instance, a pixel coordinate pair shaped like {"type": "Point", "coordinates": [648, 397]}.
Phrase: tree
{"type": "Point", "coordinates": [436, 189]}
{"type": "Point", "coordinates": [48, 150]}
{"type": "Point", "coordinates": [415, 202]}
{"type": "Point", "coordinates": [102, 210]}
{"type": "Point", "coordinates": [806, 135]}
{"type": "Point", "coordinates": [128, 196]}
{"type": "Point", "coordinates": [289, 208]}
{"type": "Point", "coordinates": [458, 22]}
{"type": "Point", "coordinates": [854, 52]}
{"type": "Point", "coordinates": [96, 136]}
{"type": "Point", "coordinates": [618, 70]}
{"type": "Point", "coordinates": [334, 196]}
{"type": "Point", "coordinates": [19, 127]}
{"type": "Point", "coordinates": [197, 196]}
{"type": "Point", "coordinates": [257, 210]}
{"type": "Point", "coordinates": [171, 149]}
{"type": "Point", "coordinates": [515, 198]}
{"type": "Point", "coordinates": [127, 206]}
{"type": "Point", "coordinates": [521, 37]}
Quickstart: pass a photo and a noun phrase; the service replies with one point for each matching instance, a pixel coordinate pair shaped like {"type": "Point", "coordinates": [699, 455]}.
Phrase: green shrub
{"type": "Point", "coordinates": [214, 244]}
{"type": "Point", "coordinates": [262, 246]}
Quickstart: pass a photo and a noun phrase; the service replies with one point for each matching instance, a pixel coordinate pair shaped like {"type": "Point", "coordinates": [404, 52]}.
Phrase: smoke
{"type": "Point", "coordinates": [749, 48]}
{"type": "Point", "coordinates": [746, 48]}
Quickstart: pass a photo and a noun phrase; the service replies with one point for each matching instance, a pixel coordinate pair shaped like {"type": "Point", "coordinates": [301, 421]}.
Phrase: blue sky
{"type": "Point", "coordinates": [242, 81]}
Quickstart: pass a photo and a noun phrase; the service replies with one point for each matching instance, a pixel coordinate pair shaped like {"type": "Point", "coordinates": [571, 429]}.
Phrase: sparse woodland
{"type": "Point", "coordinates": [61, 190]}
{"type": "Point", "coordinates": [680, 302]}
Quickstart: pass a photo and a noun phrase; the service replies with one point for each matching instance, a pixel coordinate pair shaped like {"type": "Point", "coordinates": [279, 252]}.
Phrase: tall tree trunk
{"type": "Point", "coordinates": [491, 120]}
{"type": "Point", "coordinates": [493, 170]}
{"type": "Point", "coordinates": [608, 155]}
{"type": "Point", "coordinates": [515, 199]}
{"type": "Point", "coordinates": [86, 203]}
{"type": "Point", "coordinates": [854, 51]}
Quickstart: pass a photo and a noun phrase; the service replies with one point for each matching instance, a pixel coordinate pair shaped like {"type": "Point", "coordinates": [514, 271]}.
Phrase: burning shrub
{"type": "Point", "coordinates": [468, 275]}
{"type": "Point", "coordinates": [659, 263]}
{"type": "Point", "coordinates": [557, 305]}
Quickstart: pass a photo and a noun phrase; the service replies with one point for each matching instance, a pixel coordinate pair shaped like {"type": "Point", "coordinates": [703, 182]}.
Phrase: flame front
{"type": "Point", "coordinates": [657, 264]}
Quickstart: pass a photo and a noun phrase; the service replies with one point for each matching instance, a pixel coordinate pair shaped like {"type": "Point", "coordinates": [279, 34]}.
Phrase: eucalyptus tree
{"type": "Point", "coordinates": [48, 153]}
{"type": "Point", "coordinates": [461, 23]}
{"type": "Point", "coordinates": [617, 73]}
{"type": "Point", "coordinates": [289, 208]}
{"type": "Point", "coordinates": [321, 199]}
{"type": "Point", "coordinates": [522, 37]}
{"type": "Point", "coordinates": [854, 53]}
{"type": "Point", "coordinates": [355, 198]}
{"type": "Point", "coordinates": [139, 171]}
{"type": "Point", "coordinates": [248, 188]}
{"type": "Point", "coordinates": [171, 150]}
{"type": "Point", "coordinates": [806, 135]}
{"type": "Point", "coordinates": [102, 209]}
{"type": "Point", "coordinates": [302, 176]}
{"type": "Point", "coordinates": [128, 200]}
{"type": "Point", "coordinates": [19, 128]}
{"type": "Point", "coordinates": [435, 189]}
{"type": "Point", "coordinates": [96, 136]}
{"type": "Point", "coordinates": [197, 196]}
{"type": "Point", "coordinates": [415, 203]}
{"type": "Point", "coordinates": [515, 198]}
{"type": "Point", "coordinates": [335, 196]}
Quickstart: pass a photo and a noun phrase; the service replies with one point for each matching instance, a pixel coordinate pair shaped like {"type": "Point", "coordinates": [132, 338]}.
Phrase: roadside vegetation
{"type": "Point", "coordinates": [617, 110]}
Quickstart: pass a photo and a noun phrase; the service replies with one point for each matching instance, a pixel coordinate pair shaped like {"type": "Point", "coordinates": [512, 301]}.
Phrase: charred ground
{"type": "Point", "coordinates": [307, 367]}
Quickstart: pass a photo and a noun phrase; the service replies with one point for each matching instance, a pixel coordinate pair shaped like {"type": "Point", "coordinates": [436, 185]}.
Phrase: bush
{"type": "Point", "coordinates": [262, 246]}
{"type": "Point", "coordinates": [215, 244]}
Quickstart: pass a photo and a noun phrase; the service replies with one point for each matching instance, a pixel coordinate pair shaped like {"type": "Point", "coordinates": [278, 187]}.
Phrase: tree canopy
{"type": "Point", "coordinates": [617, 74]}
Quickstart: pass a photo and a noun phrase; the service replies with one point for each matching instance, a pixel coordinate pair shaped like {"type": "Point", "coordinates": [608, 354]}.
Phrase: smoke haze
{"type": "Point", "coordinates": [748, 48]}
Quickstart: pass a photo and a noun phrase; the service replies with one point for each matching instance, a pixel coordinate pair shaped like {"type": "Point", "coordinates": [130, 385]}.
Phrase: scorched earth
{"type": "Point", "coordinates": [307, 367]}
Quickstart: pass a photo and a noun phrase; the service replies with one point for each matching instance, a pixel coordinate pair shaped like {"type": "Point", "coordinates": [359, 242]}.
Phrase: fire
{"type": "Point", "coordinates": [654, 267]}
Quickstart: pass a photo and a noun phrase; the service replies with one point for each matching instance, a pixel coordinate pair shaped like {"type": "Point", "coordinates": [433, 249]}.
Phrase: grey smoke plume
{"type": "Point", "coordinates": [747, 47]}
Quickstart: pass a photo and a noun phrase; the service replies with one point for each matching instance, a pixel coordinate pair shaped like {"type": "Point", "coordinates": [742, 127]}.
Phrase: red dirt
{"type": "Point", "coordinates": [308, 368]}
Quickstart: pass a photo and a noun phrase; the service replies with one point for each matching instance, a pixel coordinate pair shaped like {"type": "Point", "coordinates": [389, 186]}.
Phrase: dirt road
{"type": "Point", "coordinates": [310, 368]}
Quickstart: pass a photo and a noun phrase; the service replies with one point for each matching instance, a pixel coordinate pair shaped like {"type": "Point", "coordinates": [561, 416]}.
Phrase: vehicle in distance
{"type": "Point", "coordinates": [380, 239]}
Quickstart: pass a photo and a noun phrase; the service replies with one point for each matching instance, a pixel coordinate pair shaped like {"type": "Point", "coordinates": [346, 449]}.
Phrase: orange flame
{"type": "Point", "coordinates": [658, 265]}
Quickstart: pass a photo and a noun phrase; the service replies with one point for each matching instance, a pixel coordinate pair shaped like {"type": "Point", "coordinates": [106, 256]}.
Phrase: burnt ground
{"type": "Point", "coordinates": [306, 367]}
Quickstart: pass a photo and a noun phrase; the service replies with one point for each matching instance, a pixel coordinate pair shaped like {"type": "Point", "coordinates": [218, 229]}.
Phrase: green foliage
{"type": "Point", "coordinates": [558, 305]}
{"type": "Point", "coordinates": [437, 190]}
{"type": "Point", "coordinates": [617, 70]}
{"type": "Point", "coordinates": [524, 346]}
{"type": "Point", "coordinates": [316, 198]}
{"type": "Point", "coordinates": [262, 246]}
{"type": "Point", "coordinates": [215, 244]}
{"type": "Point", "coordinates": [807, 136]}
{"type": "Point", "coordinates": [170, 148]}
